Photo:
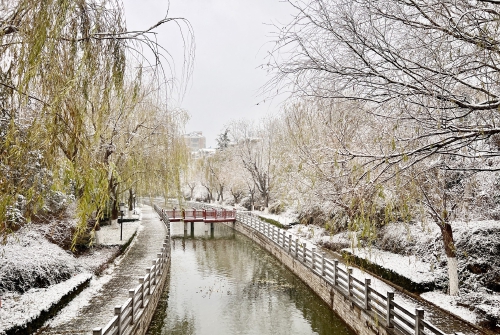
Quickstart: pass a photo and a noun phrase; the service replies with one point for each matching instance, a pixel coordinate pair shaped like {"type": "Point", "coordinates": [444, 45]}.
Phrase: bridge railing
{"type": "Point", "coordinates": [358, 291]}
{"type": "Point", "coordinates": [201, 214]}
{"type": "Point", "coordinates": [127, 315]}
{"type": "Point", "coordinates": [192, 213]}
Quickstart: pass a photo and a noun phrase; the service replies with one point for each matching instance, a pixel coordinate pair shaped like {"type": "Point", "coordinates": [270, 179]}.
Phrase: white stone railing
{"type": "Point", "coordinates": [129, 316]}
{"type": "Point", "coordinates": [359, 292]}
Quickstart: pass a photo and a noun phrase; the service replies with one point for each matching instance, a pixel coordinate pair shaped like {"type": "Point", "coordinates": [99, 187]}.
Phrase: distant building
{"type": "Point", "coordinates": [195, 141]}
{"type": "Point", "coordinates": [206, 152]}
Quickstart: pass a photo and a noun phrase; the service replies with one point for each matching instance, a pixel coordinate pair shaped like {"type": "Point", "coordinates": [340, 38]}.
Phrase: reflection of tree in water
{"type": "Point", "coordinates": [272, 282]}
{"type": "Point", "coordinates": [268, 287]}
{"type": "Point", "coordinates": [252, 290]}
{"type": "Point", "coordinates": [184, 326]}
{"type": "Point", "coordinates": [160, 314]}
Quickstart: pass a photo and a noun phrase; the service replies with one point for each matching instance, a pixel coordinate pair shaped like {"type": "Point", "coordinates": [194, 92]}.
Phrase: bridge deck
{"type": "Point", "coordinates": [201, 215]}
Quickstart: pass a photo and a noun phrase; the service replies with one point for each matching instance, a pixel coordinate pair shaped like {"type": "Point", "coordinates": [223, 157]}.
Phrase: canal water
{"type": "Point", "coordinates": [221, 282]}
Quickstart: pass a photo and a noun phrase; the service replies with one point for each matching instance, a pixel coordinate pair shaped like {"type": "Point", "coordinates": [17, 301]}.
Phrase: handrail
{"type": "Point", "coordinates": [356, 290]}
{"type": "Point", "coordinates": [128, 314]}
{"type": "Point", "coordinates": [204, 214]}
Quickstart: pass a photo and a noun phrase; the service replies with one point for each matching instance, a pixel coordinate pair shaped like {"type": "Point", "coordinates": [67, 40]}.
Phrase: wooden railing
{"type": "Point", "coordinates": [127, 315]}
{"type": "Point", "coordinates": [205, 214]}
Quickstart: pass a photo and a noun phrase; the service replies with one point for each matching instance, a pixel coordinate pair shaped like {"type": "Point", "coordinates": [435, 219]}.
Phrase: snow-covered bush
{"type": "Point", "coordinates": [277, 207]}
{"type": "Point", "coordinates": [313, 215]}
{"type": "Point", "coordinates": [27, 260]}
{"type": "Point", "coordinates": [246, 202]}
{"type": "Point", "coordinates": [478, 251]}
{"type": "Point", "coordinates": [15, 218]}
{"type": "Point", "coordinates": [56, 202]}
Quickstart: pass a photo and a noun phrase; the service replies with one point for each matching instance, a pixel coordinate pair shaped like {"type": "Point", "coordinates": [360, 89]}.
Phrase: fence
{"type": "Point", "coordinates": [359, 292]}
{"type": "Point", "coordinates": [128, 315]}
{"type": "Point", "coordinates": [205, 214]}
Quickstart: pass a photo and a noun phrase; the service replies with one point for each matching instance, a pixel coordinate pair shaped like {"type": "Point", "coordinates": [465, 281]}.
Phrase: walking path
{"type": "Point", "coordinates": [93, 307]}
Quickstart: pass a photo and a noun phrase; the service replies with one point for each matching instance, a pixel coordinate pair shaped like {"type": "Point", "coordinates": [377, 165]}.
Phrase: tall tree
{"type": "Point", "coordinates": [427, 68]}
{"type": "Point", "coordinates": [66, 100]}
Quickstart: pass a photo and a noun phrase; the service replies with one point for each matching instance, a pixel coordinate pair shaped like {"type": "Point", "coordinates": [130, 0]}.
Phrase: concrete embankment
{"type": "Point", "coordinates": [362, 321]}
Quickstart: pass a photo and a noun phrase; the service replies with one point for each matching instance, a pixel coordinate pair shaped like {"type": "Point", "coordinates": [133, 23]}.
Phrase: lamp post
{"type": "Point", "coordinates": [122, 210]}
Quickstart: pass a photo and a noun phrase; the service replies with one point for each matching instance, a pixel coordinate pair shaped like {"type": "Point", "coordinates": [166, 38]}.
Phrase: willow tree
{"type": "Point", "coordinates": [63, 87]}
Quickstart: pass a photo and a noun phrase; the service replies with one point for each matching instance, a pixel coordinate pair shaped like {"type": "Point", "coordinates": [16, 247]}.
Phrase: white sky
{"type": "Point", "coordinates": [232, 39]}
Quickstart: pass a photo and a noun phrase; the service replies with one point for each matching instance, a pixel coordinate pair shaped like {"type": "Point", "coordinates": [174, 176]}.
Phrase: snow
{"type": "Point", "coordinates": [19, 309]}
{"type": "Point", "coordinates": [449, 303]}
{"type": "Point", "coordinates": [110, 235]}
{"type": "Point", "coordinates": [28, 254]}
{"type": "Point", "coordinates": [72, 310]}
{"type": "Point", "coordinates": [284, 218]}
{"type": "Point", "coordinates": [407, 266]}
{"type": "Point", "coordinates": [415, 251]}
{"type": "Point", "coordinates": [28, 260]}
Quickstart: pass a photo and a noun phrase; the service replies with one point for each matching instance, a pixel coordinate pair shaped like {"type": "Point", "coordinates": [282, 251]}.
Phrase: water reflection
{"type": "Point", "coordinates": [223, 283]}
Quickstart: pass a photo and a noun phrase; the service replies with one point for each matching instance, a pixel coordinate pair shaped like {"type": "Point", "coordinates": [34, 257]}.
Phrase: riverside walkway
{"type": "Point", "coordinates": [93, 307]}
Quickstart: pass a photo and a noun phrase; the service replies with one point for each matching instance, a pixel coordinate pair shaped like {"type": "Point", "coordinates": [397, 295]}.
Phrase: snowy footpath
{"type": "Point", "coordinates": [441, 309]}
{"type": "Point", "coordinates": [92, 307]}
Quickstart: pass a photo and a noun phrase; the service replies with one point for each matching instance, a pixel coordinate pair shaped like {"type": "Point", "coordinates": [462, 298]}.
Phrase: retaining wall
{"type": "Point", "coordinates": [362, 322]}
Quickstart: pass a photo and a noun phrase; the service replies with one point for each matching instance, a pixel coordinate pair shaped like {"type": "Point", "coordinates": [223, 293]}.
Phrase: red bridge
{"type": "Point", "coordinates": [201, 215]}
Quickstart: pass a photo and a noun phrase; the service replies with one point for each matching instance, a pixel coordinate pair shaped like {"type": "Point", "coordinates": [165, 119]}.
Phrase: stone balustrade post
{"type": "Point", "coordinates": [335, 272]}
{"type": "Point", "coordinates": [118, 312]}
{"type": "Point", "coordinates": [367, 293]}
{"type": "Point", "coordinates": [389, 310]}
{"type": "Point", "coordinates": [148, 271]}
{"type": "Point", "coordinates": [313, 250]}
{"type": "Point", "coordinates": [349, 281]}
{"type": "Point", "coordinates": [304, 252]}
{"type": "Point", "coordinates": [141, 281]}
{"type": "Point", "coordinates": [419, 317]}
{"type": "Point", "coordinates": [131, 294]}
{"type": "Point", "coordinates": [322, 264]}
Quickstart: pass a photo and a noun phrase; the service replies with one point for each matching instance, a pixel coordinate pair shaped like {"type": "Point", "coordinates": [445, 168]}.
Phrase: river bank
{"type": "Point", "coordinates": [24, 312]}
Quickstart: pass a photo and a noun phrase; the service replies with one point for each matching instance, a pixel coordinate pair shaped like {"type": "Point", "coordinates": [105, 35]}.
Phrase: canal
{"type": "Point", "coordinates": [221, 282]}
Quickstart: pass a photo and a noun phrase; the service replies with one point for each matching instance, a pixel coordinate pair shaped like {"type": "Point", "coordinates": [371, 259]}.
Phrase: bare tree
{"type": "Point", "coordinates": [426, 66]}
{"type": "Point", "coordinates": [428, 69]}
{"type": "Point", "coordinates": [254, 147]}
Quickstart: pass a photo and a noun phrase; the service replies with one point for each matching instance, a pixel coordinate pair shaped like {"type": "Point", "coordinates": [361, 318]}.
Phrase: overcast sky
{"type": "Point", "coordinates": [232, 39]}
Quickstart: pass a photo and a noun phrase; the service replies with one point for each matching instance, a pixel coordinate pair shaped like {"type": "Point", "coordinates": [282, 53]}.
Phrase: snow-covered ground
{"type": "Point", "coordinates": [406, 266]}
{"type": "Point", "coordinates": [19, 309]}
{"type": "Point", "coordinates": [110, 235]}
{"type": "Point", "coordinates": [35, 273]}
{"type": "Point", "coordinates": [415, 251]}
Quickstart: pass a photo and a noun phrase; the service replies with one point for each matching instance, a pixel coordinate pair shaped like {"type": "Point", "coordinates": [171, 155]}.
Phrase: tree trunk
{"type": "Point", "coordinates": [130, 200]}
{"type": "Point", "coordinates": [114, 213]}
{"type": "Point", "coordinates": [114, 202]}
{"type": "Point", "coordinates": [236, 195]}
{"type": "Point", "coordinates": [451, 255]}
{"type": "Point", "coordinates": [221, 193]}
{"type": "Point", "coordinates": [191, 191]}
